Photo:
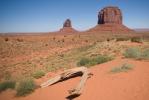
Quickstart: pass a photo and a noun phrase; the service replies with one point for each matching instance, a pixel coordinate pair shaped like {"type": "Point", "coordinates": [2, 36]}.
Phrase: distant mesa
{"type": "Point", "coordinates": [110, 19]}
{"type": "Point", "coordinates": [67, 27]}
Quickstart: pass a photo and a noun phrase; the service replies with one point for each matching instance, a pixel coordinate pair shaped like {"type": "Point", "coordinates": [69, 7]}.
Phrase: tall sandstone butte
{"type": "Point", "coordinates": [110, 19]}
{"type": "Point", "coordinates": [110, 15]}
{"type": "Point", "coordinates": [67, 23]}
{"type": "Point", "coordinates": [67, 27]}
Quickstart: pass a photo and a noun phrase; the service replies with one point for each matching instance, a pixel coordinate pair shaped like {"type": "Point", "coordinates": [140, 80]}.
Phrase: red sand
{"type": "Point", "coordinates": [131, 85]}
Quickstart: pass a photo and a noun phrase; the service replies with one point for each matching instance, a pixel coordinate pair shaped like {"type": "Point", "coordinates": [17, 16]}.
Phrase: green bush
{"type": "Point", "coordinates": [136, 39]}
{"type": "Point", "coordinates": [123, 68]}
{"type": "Point", "coordinates": [6, 85]}
{"type": "Point", "coordinates": [25, 87]}
{"type": "Point", "coordinates": [94, 61]}
{"type": "Point", "coordinates": [83, 62]}
{"type": "Point", "coordinates": [132, 53]}
{"type": "Point", "coordinates": [38, 74]}
{"type": "Point", "coordinates": [145, 54]}
{"type": "Point", "coordinates": [137, 53]}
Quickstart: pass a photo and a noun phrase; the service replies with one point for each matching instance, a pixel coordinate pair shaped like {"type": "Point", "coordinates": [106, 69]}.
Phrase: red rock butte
{"type": "Point", "coordinates": [67, 27]}
{"type": "Point", "coordinates": [110, 19]}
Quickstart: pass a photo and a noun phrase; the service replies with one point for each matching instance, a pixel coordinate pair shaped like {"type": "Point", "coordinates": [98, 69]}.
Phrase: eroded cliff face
{"type": "Point", "coordinates": [111, 15]}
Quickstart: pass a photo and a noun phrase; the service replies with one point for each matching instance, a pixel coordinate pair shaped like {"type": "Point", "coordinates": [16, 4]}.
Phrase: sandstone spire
{"type": "Point", "coordinates": [67, 23]}
{"type": "Point", "coordinates": [67, 27]}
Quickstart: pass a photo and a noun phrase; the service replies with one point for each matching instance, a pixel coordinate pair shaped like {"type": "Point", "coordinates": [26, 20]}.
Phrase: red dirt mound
{"type": "Point", "coordinates": [117, 28]}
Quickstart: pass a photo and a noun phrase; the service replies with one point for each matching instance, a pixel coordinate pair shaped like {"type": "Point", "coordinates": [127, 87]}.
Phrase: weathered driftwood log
{"type": "Point", "coordinates": [68, 74]}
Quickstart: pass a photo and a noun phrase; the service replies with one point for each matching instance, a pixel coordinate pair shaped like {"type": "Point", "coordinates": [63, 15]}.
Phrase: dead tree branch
{"type": "Point", "coordinates": [68, 74]}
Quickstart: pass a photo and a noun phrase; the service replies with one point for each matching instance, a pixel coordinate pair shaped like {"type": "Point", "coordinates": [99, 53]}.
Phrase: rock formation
{"type": "Point", "coordinates": [110, 20]}
{"type": "Point", "coordinates": [67, 27]}
{"type": "Point", "coordinates": [110, 15]}
{"type": "Point", "coordinates": [67, 23]}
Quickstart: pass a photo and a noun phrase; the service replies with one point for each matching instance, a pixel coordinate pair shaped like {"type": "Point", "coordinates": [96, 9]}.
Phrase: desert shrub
{"type": "Point", "coordinates": [54, 38]}
{"type": "Point", "coordinates": [38, 74]}
{"type": "Point", "coordinates": [110, 39]}
{"type": "Point", "coordinates": [61, 55]}
{"type": "Point", "coordinates": [86, 41]}
{"type": "Point", "coordinates": [19, 40]}
{"type": "Point", "coordinates": [83, 62]}
{"type": "Point", "coordinates": [73, 39]}
{"type": "Point", "coordinates": [136, 39]}
{"type": "Point", "coordinates": [46, 44]}
{"type": "Point", "coordinates": [94, 61]}
{"type": "Point", "coordinates": [79, 36]}
{"type": "Point", "coordinates": [145, 54]}
{"type": "Point", "coordinates": [25, 86]}
{"type": "Point", "coordinates": [58, 41]}
{"type": "Point", "coordinates": [63, 40]}
{"type": "Point", "coordinates": [51, 68]}
{"type": "Point", "coordinates": [137, 53]}
{"type": "Point", "coordinates": [7, 84]}
{"type": "Point", "coordinates": [122, 39]}
{"type": "Point", "coordinates": [6, 39]}
{"type": "Point", "coordinates": [132, 53]}
{"type": "Point", "coordinates": [7, 75]}
{"type": "Point", "coordinates": [65, 35]}
{"type": "Point", "coordinates": [123, 68]}
{"type": "Point", "coordinates": [84, 48]}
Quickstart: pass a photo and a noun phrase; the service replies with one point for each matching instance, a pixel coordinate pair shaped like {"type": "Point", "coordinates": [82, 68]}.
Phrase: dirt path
{"type": "Point", "coordinates": [131, 85]}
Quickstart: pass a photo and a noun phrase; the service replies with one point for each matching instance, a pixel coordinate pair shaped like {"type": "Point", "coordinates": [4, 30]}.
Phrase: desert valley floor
{"type": "Point", "coordinates": [23, 55]}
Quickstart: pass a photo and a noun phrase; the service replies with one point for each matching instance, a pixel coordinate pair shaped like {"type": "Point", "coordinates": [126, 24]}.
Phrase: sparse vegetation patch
{"type": "Point", "coordinates": [136, 39]}
{"type": "Point", "coordinates": [8, 84]}
{"type": "Point", "coordinates": [145, 54]}
{"type": "Point", "coordinates": [137, 53]}
{"type": "Point", "coordinates": [94, 61]}
{"type": "Point", "coordinates": [38, 74]}
{"type": "Point", "coordinates": [132, 53]}
{"type": "Point", "coordinates": [123, 68]}
{"type": "Point", "coordinates": [122, 39]}
{"type": "Point", "coordinates": [25, 87]}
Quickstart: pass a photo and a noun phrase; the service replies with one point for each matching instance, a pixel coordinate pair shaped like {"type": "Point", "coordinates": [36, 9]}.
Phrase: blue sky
{"type": "Point", "coordinates": [49, 15]}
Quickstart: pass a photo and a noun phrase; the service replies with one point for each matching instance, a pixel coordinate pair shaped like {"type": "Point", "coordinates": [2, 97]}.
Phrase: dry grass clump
{"type": "Point", "coordinates": [137, 53]}
{"type": "Point", "coordinates": [122, 39]}
{"type": "Point", "coordinates": [137, 39]}
{"type": "Point", "coordinates": [94, 61]}
{"type": "Point", "coordinates": [123, 68]}
{"type": "Point", "coordinates": [38, 74]}
{"type": "Point", "coordinates": [8, 84]}
{"type": "Point", "coordinates": [132, 53]}
{"type": "Point", "coordinates": [25, 87]}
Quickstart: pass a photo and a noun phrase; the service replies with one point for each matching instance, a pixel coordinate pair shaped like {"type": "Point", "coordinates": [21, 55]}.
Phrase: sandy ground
{"type": "Point", "coordinates": [131, 85]}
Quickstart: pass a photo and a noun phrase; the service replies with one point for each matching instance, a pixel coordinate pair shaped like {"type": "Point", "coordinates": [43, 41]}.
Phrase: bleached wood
{"type": "Point", "coordinates": [70, 73]}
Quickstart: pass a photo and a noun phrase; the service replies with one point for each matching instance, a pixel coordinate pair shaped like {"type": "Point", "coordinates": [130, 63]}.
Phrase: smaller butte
{"type": "Point", "coordinates": [67, 27]}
